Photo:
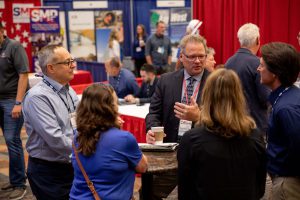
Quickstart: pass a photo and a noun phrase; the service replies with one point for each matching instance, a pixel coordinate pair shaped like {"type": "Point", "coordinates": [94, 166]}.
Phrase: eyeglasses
{"type": "Point", "coordinates": [194, 58]}
{"type": "Point", "coordinates": [68, 63]}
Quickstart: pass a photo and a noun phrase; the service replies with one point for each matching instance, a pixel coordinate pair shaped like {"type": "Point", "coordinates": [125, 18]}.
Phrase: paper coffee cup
{"type": "Point", "coordinates": [158, 134]}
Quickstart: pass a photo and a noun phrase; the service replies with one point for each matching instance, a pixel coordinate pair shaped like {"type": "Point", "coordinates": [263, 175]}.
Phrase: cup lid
{"type": "Point", "coordinates": [157, 128]}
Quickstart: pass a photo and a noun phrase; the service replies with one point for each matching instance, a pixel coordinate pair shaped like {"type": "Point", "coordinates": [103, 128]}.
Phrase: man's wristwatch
{"type": "Point", "coordinates": [18, 103]}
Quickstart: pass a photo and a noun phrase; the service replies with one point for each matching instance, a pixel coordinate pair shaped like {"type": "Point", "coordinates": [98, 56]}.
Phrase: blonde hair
{"type": "Point", "coordinates": [112, 36]}
{"type": "Point", "coordinates": [223, 105]}
{"type": "Point", "coordinates": [192, 39]}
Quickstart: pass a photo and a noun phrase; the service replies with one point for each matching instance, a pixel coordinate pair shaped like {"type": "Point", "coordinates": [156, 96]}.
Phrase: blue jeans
{"type": "Point", "coordinates": [11, 129]}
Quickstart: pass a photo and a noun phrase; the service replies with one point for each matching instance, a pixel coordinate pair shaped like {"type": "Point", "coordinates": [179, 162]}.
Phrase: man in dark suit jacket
{"type": "Point", "coordinates": [166, 108]}
{"type": "Point", "coordinates": [148, 86]}
{"type": "Point", "coordinates": [245, 62]}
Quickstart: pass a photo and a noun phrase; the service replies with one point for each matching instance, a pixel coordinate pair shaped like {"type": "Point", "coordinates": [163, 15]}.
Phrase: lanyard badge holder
{"type": "Point", "coordinates": [72, 115]}
{"type": "Point", "coordinates": [186, 125]}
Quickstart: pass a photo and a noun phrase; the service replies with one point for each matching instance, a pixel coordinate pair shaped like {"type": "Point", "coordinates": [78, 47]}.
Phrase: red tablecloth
{"type": "Point", "coordinates": [81, 77]}
{"type": "Point", "coordinates": [136, 126]}
{"type": "Point", "coordinates": [79, 88]}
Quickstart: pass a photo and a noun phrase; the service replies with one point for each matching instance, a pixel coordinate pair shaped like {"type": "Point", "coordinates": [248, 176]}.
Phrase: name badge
{"type": "Point", "coordinates": [161, 50]}
{"type": "Point", "coordinates": [138, 49]}
{"type": "Point", "coordinates": [184, 126]}
{"type": "Point", "coordinates": [73, 120]}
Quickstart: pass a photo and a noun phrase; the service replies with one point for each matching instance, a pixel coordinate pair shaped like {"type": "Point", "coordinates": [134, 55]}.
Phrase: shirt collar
{"type": "Point", "coordinates": [117, 77]}
{"type": "Point", "coordinates": [275, 93]}
{"type": "Point", "coordinates": [151, 82]}
{"type": "Point", "coordinates": [55, 84]}
{"type": "Point", "coordinates": [244, 50]}
{"type": "Point", "coordinates": [159, 36]}
{"type": "Point", "coordinates": [197, 77]}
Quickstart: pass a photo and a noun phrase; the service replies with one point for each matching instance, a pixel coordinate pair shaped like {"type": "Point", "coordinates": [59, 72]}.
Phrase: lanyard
{"type": "Point", "coordinates": [194, 93]}
{"type": "Point", "coordinates": [55, 90]}
{"type": "Point", "coordinates": [116, 86]}
{"type": "Point", "coordinates": [280, 94]}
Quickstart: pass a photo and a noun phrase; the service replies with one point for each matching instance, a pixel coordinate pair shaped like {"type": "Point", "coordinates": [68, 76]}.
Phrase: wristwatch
{"type": "Point", "coordinates": [18, 103]}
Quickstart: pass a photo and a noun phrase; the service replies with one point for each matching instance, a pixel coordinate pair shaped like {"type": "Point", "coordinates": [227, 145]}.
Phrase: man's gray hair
{"type": "Point", "coordinates": [47, 56]}
{"type": "Point", "coordinates": [248, 34]}
{"type": "Point", "coordinates": [192, 39]}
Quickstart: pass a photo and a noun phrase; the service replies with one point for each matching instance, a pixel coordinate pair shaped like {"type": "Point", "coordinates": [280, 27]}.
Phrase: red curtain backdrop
{"type": "Point", "coordinates": [278, 20]}
{"type": "Point", "coordinates": [18, 31]}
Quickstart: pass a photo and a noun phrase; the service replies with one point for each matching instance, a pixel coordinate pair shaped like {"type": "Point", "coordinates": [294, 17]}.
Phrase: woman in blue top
{"type": "Point", "coordinates": [110, 156]}
{"type": "Point", "coordinates": [139, 48]}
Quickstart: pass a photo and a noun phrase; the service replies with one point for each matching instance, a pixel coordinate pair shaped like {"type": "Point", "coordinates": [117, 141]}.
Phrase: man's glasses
{"type": "Point", "coordinates": [68, 63]}
{"type": "Point", "coordinates": [194, 58]}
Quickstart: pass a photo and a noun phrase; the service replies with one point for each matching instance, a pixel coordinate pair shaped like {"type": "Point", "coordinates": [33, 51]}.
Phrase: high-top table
{"type": "Point", "coordinates": [158, 163]}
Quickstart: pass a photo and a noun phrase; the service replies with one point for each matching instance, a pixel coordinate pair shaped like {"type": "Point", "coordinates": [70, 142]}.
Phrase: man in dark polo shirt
{"type": "Point", "coordinates": [158, 49]}
{"type": "Point", "coordinates": [14, 82]}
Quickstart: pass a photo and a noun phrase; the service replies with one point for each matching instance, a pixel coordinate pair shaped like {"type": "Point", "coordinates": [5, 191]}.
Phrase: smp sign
{"type": "Point", "coordinates": [21, 12]}
{"type": "Point", "coordinates": [43, 19]}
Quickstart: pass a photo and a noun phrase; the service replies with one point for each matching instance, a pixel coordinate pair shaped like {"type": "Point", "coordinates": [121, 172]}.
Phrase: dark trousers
{"type": "Point", "coordinates": [138, 64]}
{"type": "Point", "coordinates": [50, 180]}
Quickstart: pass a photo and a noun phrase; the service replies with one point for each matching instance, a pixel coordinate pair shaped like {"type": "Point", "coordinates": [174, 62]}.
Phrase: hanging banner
{"type": "Point", "coordinates": [167, 3]}
{"type": "Point", "coordinates": [106, 21]}
{"type": "Point", "coordinates": [45, 30]}
{"type": "Point", "coordinates": [21, 12]}
{"type": "Point", "coordinates": [62, 23]}
{"type": "Point", "coordinates": [90, 4]}
{"type": "Point", "coordinates": [179, 19]}
{"type": "Point", "coordinates": [82, 35]}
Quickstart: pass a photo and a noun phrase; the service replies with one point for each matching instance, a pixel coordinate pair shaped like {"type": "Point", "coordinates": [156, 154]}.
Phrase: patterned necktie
{"type": "Point", "coordinates": [189, 90]}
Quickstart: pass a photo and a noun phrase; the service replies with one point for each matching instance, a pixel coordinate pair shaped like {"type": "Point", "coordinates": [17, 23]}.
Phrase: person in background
{"type": "Point", "coordinates": [225, 156]}
{"type": "Point", "coordinates": [139, 48]}
{"type": "Point", "coordinates": [192, 28]}
{"type": "Point", "coordinates": [148, 86]}
{"type": "Point", "coordinates": [113, 45]}
{"type": "Point", "coordinates": [210, 59]}
{"type": "Point", "coordinates": [49, 115]}
{"type": "Point", "coordinates": [245, 62]}
{"type": "Point", "coordinates": [14, 83]}
{"type": "Point", "coordinates": [158, 50]}
{"type": "Point", "coordinates": [174, 103]}
{"type": "Point", "coordinates": [279, 68]}
{"type": "Point", "coordinates": [121, 79]}
{"type": "Point", "coordinates": [219, 66]}
{"type": "Point", "coordinates": [109, 156]}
